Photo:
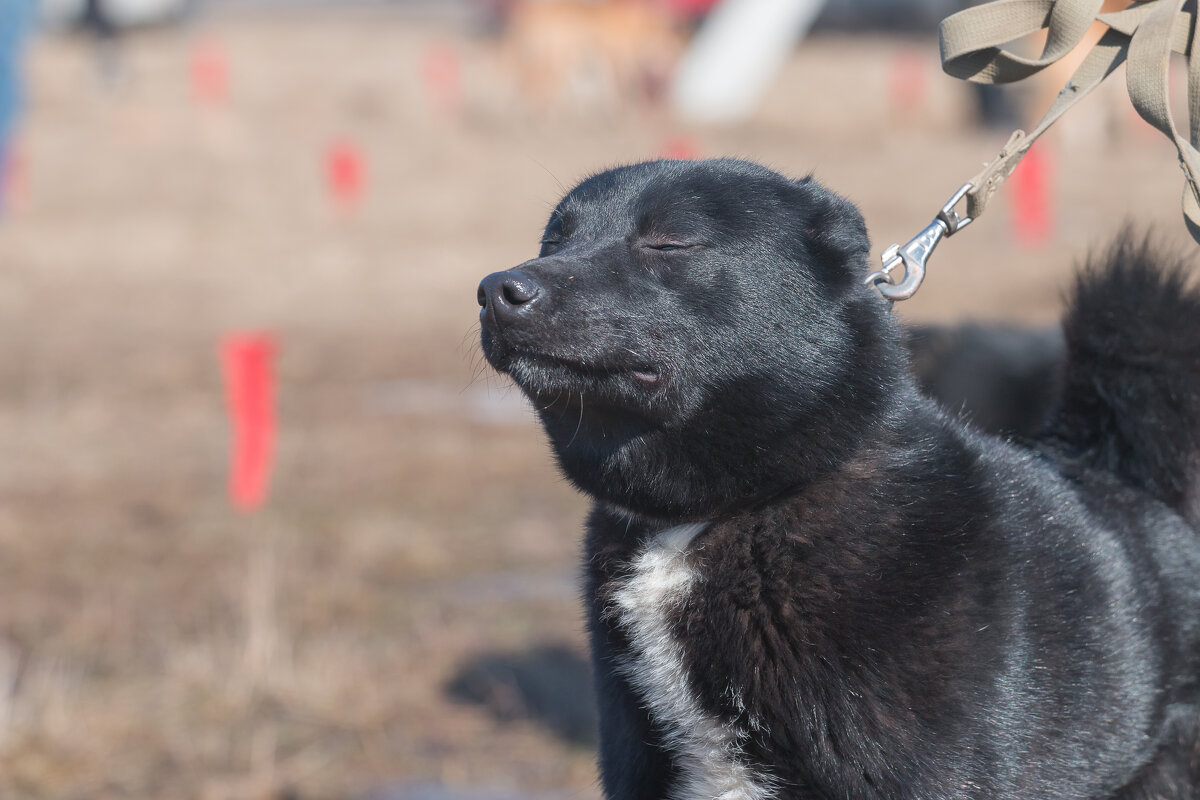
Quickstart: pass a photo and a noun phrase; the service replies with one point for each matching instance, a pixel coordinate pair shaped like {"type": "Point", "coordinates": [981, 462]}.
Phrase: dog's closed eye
{"type": "Point", "coordinates": [666, 246]}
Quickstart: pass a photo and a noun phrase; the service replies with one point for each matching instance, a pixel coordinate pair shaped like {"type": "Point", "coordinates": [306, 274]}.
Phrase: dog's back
{"type": "Point", "coordinates": [1131, 387]}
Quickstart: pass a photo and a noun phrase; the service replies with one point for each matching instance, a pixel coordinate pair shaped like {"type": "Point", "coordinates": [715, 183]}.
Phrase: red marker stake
{"type": "Point", "coordinates": [681, 148]}
{"type": "Point", "coordinates": [906, 83]}
{"type": "Point", "coordinates": [345, 174]}
{"type": "Point", "coordinates": [209, 75]}
{"type": "Point", "coordinates": [1032, 216]}
{"type": "Point", "coordinates": [690, 9]}
{"type": "Point", "coordinates": [246, 360]}
{"type": "Point", "coordinates": [441, 75]}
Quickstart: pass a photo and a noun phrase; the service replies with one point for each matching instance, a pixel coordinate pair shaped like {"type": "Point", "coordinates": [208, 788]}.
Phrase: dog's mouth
{"type": "Point", "coordinates": [647, 376]}
{"type": "Point", "coordinates": [542, 374]}
{"type": "Point", "coordinates": [534, 368]}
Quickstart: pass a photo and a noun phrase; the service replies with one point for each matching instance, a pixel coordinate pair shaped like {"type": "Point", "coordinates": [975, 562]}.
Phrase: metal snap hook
{"type": "Point", "coordinates": [914, 255]}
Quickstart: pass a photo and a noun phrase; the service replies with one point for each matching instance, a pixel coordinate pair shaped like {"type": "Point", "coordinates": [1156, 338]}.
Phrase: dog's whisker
{"type": "Point", "coordinates": [580, 423]}
{"type": "Point", "coordinates": [551, 404]}
{"type": "Point", "coordinates": [480, 371]}
{"type": "Point", "coordinates": [470, 337]}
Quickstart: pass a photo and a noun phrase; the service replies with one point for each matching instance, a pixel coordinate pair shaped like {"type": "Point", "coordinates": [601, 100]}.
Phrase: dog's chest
{"type": "Point", "coordinates": [646, 605]}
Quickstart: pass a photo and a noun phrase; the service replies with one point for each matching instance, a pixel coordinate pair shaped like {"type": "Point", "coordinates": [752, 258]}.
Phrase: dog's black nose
{"type": "Point", "coordinates": [507, 294]}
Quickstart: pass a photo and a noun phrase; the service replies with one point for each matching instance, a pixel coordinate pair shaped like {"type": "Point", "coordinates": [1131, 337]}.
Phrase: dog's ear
{"type": "Point", "coordinates": [835, 232]}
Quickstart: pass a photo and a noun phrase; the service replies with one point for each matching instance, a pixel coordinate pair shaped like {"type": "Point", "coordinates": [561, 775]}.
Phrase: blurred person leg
{"type": "Point", "coordinates": [98, 22]}
{"type": "Point", "coordinates": [16, 20]}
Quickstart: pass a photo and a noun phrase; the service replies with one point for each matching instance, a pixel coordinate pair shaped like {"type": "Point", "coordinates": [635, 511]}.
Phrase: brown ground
{"type": "Point", "coordinates": [154, 644]}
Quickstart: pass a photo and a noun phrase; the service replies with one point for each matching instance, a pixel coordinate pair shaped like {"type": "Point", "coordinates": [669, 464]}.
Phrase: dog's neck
{"type": "Point", "coordinates": [722, 479]}
{"type": "Point", "coordinates": [863, 462]}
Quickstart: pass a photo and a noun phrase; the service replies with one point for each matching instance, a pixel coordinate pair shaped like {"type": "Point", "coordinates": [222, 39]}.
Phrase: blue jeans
{"type": "Point", "coordinates": [16, 21]}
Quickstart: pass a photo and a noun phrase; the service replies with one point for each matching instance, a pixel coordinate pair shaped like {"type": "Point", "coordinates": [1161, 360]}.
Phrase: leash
{"type": "Point", "coordinates": [972, 48]}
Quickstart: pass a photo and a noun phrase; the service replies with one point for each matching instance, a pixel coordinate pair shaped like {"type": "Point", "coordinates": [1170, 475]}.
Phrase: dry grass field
{"type": "Point", "coordinates": [155, 643]}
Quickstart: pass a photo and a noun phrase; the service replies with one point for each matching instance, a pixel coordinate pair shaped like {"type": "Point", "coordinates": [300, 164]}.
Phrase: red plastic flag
{"type": "Point", "coordinates": [689, 9]}
{"type": "Point", "coordinates": [1032, 216]}
{"type": "Point", "coordinates": [210, 74]}
{"type": "Point", "coordinates": [246, 360]}
{"type": "Point", "coordinates": [681, 148]}
{"type": "Point", "coordinates": [345, 174]}
{"type": "Point", "coordinates": [441, 75]}
{"type": "Point", "coordinates": [907, 83]}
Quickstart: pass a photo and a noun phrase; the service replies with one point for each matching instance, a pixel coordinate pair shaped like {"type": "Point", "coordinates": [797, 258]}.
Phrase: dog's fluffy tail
{"type": "Point", "coordinates": [1131, 383]}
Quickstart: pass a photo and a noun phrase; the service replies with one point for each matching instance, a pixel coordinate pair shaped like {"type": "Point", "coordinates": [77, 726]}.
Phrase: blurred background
{"type": "Point", "coordinates": [323, 184]}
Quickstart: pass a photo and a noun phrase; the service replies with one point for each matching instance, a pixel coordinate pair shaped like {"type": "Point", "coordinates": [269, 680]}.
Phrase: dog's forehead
{"type": "Point", "coordinates": [676, 191]}
{"type": "Point", "coordinates": [620, 192]}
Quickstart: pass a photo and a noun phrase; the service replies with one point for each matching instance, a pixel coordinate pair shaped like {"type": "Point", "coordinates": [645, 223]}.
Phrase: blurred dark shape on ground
{"type": "Point", "coordinates": [549, 684]}
{"type": "Point", "coordinates": [437, 791]}
{"type": "Point", "coordinates": [1002, 378]}
{"type": "Point", "coordinates": [894, 16]}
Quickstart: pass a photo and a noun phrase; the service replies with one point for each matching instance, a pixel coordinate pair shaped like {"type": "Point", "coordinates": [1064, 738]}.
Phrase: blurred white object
{"type": "Point", "coordinates": [120, 13]}
{"type": "Point", "coordinates": [736, 52]}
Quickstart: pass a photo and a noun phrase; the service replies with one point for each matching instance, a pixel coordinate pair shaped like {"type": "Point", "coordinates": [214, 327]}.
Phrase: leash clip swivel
{"type": "Point", "coordinates": [914, 254]}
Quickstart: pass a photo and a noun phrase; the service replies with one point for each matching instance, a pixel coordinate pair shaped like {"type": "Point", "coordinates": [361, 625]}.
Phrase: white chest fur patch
{"type": "Point", "coordinates": [708, 752]}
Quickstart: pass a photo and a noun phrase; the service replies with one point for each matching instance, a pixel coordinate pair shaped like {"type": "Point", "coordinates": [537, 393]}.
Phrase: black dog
{"type": "Point", "coordinates": [1001, 378]}
{"type": "Point", "coordinates": [804, 579]}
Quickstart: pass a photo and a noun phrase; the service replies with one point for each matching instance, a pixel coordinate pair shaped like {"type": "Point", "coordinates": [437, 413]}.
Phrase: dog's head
{"type": "Point", "coordinates": [694, 335]}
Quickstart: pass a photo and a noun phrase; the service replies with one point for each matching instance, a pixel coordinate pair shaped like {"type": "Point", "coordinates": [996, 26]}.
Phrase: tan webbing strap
{"type": "Point", "coordinates": [1149, 60]}
{"type": "Point", "coordinates": [973, 44]}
